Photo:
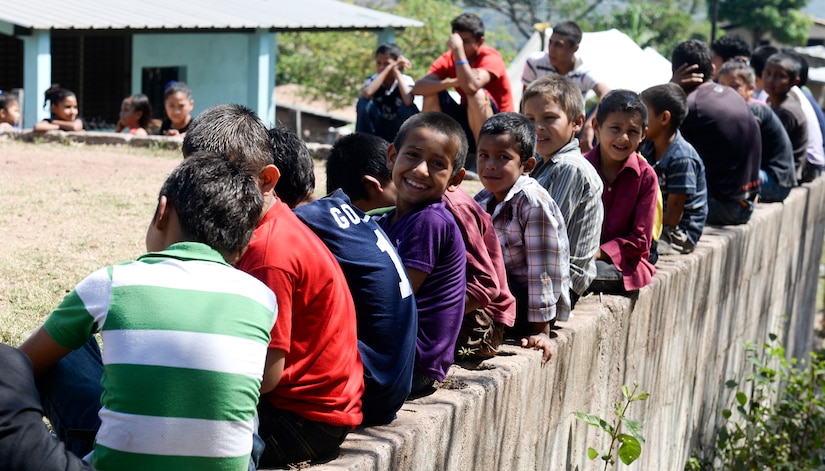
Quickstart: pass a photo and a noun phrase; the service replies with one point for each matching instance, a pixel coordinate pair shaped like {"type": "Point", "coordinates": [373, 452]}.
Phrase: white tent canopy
{"type": "Point", "coordinates": [612, 54]}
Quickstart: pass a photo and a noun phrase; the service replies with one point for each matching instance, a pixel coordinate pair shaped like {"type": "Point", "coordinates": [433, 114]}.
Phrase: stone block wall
{"type": "Point", "coordinates": [679, 338]}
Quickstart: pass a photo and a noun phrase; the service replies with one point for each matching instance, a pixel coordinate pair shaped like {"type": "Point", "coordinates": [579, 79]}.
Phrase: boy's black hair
{"type": "Point", "coordinates": [352, 157]}
{"type": "Point", "coordinates": [7, 98]}
{"type": "Point", "coordinates": [140, 102]}
{"type": "Point", "coordinates": [55, 94]}
{"type": "Point", "coordinates": [291, 156]}
{"type": "Point", "coordinates": [216, 201]}
{"type": "Point", "coordinates": [468, 23]}
{"type": "Point", "coordinates": [570, 30]}
{"type": "Point", "coordinates": [760, 57]}
{"type": "Point", "coordinates": [729, 46]}
{"type": "Point", "coordinates": [233, 131]}
{"type": "Point", "coordinates": [560, 89]}
{"type": "Point", "coordinates": [668, 97]}
{"type": "Point", "coordinates": [693, 52]}
{"type": "Point", "coordinates": [621, 101]}
{"type": "Point", "coordinates": [176, 87]}
{"type": "Point", "coordinates": [438, 122]}
{"type": "Point", "coordinates": [803, 65]}
{"type": "Point", "coordinates": [789, 62]}
{"type": "Point", "coordinates": [739, 69]}
{"type": "Point", "coordinates": [521, 131]}
{"type": "Point", "coordinates": [390, 49]}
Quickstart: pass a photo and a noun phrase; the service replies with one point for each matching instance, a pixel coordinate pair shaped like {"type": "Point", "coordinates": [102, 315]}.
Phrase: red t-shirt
{"type": "Point", "coordinates": [323, 377]}
{"type": "Point", "coordinates": [488, 59]}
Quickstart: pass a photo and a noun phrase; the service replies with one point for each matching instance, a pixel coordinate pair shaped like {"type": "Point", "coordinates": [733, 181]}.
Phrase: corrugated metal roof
{"type": "Point", "coordinates": [276, 15]}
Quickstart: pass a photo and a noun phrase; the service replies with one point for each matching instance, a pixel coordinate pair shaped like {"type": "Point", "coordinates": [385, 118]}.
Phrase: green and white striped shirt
{"type": "Point", "coordinates": [185, 338]}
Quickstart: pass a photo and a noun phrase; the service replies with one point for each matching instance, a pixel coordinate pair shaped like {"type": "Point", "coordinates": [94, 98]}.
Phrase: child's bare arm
{"type": "Point", "coordinates": [75, 125]}
{"type": "Point", "coordinates": [44, 126]}
{"type": "Point", "coordinates": [674, 209]}
{"type": "Point", "coordinates": [403, 87]}
{"type": "Point", "coordinates": [430, 84]}
{"type": "Point", "coordinates": [273, 369]}
{"type": "Point", "coordinates": [371, 88]}
{"type": "Point", "coordinates": [416, 277]}
{"type": "Point", "coordinates": [42, 350]}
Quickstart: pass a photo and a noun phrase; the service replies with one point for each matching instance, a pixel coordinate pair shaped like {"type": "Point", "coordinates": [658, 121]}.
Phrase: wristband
{"type": "Point", "coordinates": [462, 63]}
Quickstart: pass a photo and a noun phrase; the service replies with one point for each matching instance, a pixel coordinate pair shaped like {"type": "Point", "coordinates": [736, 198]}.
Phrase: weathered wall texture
{"type": "Point", "coordinates": [680, 339]}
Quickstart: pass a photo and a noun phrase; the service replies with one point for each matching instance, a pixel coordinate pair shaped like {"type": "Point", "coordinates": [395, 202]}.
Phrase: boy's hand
{"type": "Point", "coordinates": [403, 63]}
{"type": "Point", "coordinates": [455, 43]}
{"type": "Point", "coordinates": [686, 74]}
{"type": "Point", "coordinates": [539, 341]}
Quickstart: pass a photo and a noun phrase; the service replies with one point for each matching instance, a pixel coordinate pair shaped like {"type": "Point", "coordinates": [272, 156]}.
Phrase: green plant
{"type": "Point", "coordinates": [777, 415]}
{"type": "Point", "coordinates": [629, 445]}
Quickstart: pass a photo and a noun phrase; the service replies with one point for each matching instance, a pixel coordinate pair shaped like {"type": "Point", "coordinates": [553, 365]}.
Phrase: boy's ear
{"type": "Point", "coordinates": [391, 154]}
{"type": "Point", "coordinates": [161, 220]}
{"type": "Point", "coordinates": [457, 179]}
{"type": "Point", "coordinates": [372, 186]}
{"type": "Point", "coordinates": [578, 123]}
{"type": "Point", "coordinates": [268, 178]}
{"type": "Point", "coordinates": [529, 165]}
{"type": "Point", "coordinates": [665, 117]}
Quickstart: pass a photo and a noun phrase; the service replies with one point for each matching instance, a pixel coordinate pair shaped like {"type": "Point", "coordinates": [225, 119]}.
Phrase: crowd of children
{"type": "Point", "coordinates": [344, 307]}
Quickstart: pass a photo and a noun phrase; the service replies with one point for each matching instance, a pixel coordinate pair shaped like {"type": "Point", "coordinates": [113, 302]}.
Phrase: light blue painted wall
{"type": "Point", "coordinates": [37, 75]}
{"type": "Point", "coordinates": [218, 66]}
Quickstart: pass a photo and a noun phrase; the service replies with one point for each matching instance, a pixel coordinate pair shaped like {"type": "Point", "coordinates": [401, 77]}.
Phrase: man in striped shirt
{"type": "Point", "coordinates": [185, 334]}
{"type": "Point", "coordinates": [561, 59]}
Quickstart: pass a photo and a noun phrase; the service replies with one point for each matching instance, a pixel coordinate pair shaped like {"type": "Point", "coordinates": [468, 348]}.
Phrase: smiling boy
{"type": "Point", "coordinates": [554, 106]}
{"type": "Point", "coordinates": [529, 225]}
{"type": "Point", "coordinates": [427, 157]}
{"type": "Point", "coordinates": [630, 195]}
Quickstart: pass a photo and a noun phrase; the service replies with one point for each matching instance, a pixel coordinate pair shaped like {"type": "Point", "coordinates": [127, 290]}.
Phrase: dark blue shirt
{"type": "Point", "coordinates": [777, 150]}
{"type": "Point", "coordinates": [681, 171]}
{"type": "Point", "coordinates": [384, 304]}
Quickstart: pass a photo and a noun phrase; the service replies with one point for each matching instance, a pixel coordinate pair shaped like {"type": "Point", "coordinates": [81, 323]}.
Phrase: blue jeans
{"type": "Point", "coordinates": [769, 189]}
{"type": "Point", "coordinates": [369, 119]}
{"type": "Point", "coordinates": [722, 213]}
{"type": "Point", "coordinates": [70, 393]}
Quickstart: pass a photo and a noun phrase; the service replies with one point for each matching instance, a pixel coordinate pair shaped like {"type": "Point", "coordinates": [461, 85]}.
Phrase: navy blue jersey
{"type": "Point", "coordinates": [384, 301]}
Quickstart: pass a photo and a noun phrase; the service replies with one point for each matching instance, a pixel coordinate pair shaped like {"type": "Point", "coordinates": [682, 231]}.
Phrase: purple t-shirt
{"type": "Point", "coordinates": [429, 241]}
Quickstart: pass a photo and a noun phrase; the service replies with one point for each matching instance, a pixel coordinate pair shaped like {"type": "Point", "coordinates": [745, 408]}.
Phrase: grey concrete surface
{"type": "Point", "coordinates": [679, 338]}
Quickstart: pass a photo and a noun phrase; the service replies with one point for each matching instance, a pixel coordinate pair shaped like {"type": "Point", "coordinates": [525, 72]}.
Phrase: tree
{"type": "Point", "coordinates": [654, 23]}
{"type": "Point", "coordinates": [334, 65]}
{"type": "Point", "coordinates": [783, 19]}
{"type": "Point", "coordinates": [525, 13]}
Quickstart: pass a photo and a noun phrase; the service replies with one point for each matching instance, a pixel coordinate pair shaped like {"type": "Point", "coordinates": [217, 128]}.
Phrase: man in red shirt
{"type": "Point", "coordinates": [477, 72]}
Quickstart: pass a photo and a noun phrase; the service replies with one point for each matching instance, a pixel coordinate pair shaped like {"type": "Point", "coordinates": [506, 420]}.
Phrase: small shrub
{"type": "Point", "coordinates": [777, 416]}
{"type": "Point", "coordinates": [629, 445]}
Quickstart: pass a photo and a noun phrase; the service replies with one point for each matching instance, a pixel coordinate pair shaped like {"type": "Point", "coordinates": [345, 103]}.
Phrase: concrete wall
{"type": "Point", "coordinates": [679, 338]}
{"type": "Point", "coordinates": [216, 64]}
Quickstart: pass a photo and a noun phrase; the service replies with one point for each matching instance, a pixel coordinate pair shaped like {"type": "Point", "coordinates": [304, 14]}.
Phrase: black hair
{"type": "Point", "coordinates": [468, 23]}
{"type": "Point", "coordinates": [438, 122]}
{"type": "Point", "coordinates": [233, 131]}
{"type": "Point", "coordinates": [729, 46]}
{"type": "Point", "coordinates": [521, 131]}
{"type": "Point", "coordinates": [803, 64]}
{"type": "Point", "coordinates": [560, 89]}
{"type": "Point", "coordinates": [140, 102]}
{"type": "Point", "coordinates": [352, 157]}
{"type": "Point", "coordinates": [390, 49]}
{"type": "Point", "coordinates": [570, 30]}
{"type": "Point", "coordinates": [7, 98]}
{"type": "Point", "coordinates": [621, 101]}
{"type": "Point", "coordinates": [216, 201]}
{"type": "Point", "coordinates": [789, 62]}
{"type": "Point", "coordinates": [291, 156]}
{"type": "Point", "coordinates": [176, 87]}
{"type": "Point", "coordinates": [739, 69]}
{"type": "Point", "coordinates": [693, 52]}
{"type": "Point", "coordinates": [760, 57]}
{"type": "Point", "coordinates": [55, 94]}
{"type": "Point", "coordinates": [667, 97]}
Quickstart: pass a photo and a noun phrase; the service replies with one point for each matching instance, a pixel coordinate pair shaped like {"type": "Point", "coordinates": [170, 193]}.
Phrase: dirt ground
{"type": "Point", "coordinates": [69, 209]}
